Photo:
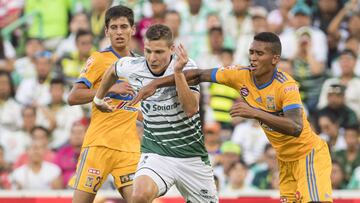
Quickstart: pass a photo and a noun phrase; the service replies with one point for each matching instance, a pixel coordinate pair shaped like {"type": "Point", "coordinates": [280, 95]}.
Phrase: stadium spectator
{"type": "Point", "coordinates": [349, 158]}
{"type": "Point", "coordinates": [97, 18]}
{"type": "Point", "coordinates": [251, 139]}
{"type": "Point", "coordinates": [37, 174]}
{"type": "Point", "coordinates": [331, 133]}
{"type": "Point", "coordinates": [42, 135]}
{"type": "Point", "coordinates": [263, 178]}
{"type": "Point", "coordinates": [79, 21]}
{"type": "Point", "coordinates": [278, 19]}
{"type": "Point", "coordinates": [325, 11]}
{"type": "Point", "coordinates": [337, 176]}
{"type": "Point", "coordinates": [237, 180]}
{"type": "Point", "coordinates": [337, 108]}
{"type": "Point", "coordinates": [230, 154]}
{"type": "Point", "coordinates": [352, 43]}
{"type": "Point", "coordinates": [158, 8]}
{"type": "Point", "coordinates": [25, 66]}
{"type": "Point", "coordinates": [64, 115]}
{"type": "Point", "coordinates": [10, 110]}
{"type": "Point", "coordinates": [35, 91]}
{"type": "Point", "coordinates": [211, 57]}
{"type": "Point", "coordinates": [67, 156]}
{"type": "Point", "coordinates": [212, 141]}
{"type": "Point", "coordinates": [259, 24]}
{"type": "Point", "coordinates": [286, 65]}
{"type": "Point", "coordinates": [70, 63]}
{"type": "Point", "coordinates": [347, 78]}
{"type": "Point", "coordinates": [172, 19]}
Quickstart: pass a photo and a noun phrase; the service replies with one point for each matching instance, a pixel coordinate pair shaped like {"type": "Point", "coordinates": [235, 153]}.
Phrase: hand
{"type": "Point", "coordinates": [143, 93]}
{"type": "Point", "coordinates": [122, 88]}
{"type": "Point", "coordinates": [105, 105]}
{"type": "Point", "coordinates": [181, 60]}
{"type": "Point", "coordinates": [242, 109]}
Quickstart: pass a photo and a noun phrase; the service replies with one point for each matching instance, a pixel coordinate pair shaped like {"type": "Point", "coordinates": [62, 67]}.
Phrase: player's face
{"type": "Point", "coordinates": [119, 31]}
{"type": "Point", "coordinates": [262, 59]}
{"type": "Point", "coordinates": [158, 54]}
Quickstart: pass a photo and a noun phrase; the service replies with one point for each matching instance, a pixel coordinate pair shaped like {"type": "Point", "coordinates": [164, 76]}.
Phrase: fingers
{"type": "Point", "coordinates": [135, 100]}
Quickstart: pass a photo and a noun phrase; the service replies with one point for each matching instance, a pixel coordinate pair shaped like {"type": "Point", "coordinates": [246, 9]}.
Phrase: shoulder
{"type": "Point", "coordinates": [129, 60]}
{"type": "Point", "coordinates": [283, 77]}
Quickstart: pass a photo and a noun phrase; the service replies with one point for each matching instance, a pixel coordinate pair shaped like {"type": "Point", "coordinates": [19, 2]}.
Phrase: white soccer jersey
{"type": "Point", "coordinates": [167, 129]}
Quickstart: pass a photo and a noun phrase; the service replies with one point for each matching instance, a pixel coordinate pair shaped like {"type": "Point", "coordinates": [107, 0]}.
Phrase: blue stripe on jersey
{"type": "Point", "coordinates": [266, 84]}
{"type": "Point", "coordinates": [126, 97]}
{"type": "Point", "coordinates": [281, 81]}
{"type": "Point", "coordinates": [85, 81]}
{"type": "Point", "coordinates": [213, 74]}
{"type": "Point", "coordinates": [291, 106]}
{"type": "Point", "coordinates": [283, 75]}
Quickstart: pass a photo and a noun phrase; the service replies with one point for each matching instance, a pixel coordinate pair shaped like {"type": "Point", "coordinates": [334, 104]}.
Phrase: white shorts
{"type": "Point", "coordinates": [192, 177]}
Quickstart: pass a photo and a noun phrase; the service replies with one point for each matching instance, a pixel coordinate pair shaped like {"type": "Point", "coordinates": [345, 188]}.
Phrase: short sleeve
{"type": "Point", "coordinates": [290, 96]}
{"type": "Point", "coordinates": [91, 71]}
{"type": "Point", "coordinates": [232, 76]}
{"type": "Point", "coordinates": [119, 67]}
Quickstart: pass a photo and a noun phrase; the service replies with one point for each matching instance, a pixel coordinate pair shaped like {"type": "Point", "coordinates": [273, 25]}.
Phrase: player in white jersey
{"type": "Point", "coordinates": [173, 151]}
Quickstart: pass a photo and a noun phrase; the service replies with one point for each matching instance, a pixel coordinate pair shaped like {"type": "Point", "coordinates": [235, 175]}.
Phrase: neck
{"type": "Point", "coordinates": [262, 79]}
{"type": "Point", "coordinates": [237, 185]}
{"type": "Point", "coordinates": [122, 52]}
{"type": "Point", "coordinates": [345, 78]}
{"type": "Point", "coordinates": [353, 148]}
{"type": "Point", "coordinates": [41, 80]}
{"type": "Point", "coordinates": [35, 166]}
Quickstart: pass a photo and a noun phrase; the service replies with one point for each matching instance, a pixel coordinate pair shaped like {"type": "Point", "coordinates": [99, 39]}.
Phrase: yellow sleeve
{"type": "Point", "coordinates": [91, 72]}
{"type": "Point", "coordinates": [232, 76]}
{"type": "Point", "coordinates": [290, 96]}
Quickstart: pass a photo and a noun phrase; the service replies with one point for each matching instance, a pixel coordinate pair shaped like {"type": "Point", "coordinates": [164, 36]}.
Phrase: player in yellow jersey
{"type": "Point", "coordinates": [111, 144]}
{"type": "Point", "coordinates": [272, 97]}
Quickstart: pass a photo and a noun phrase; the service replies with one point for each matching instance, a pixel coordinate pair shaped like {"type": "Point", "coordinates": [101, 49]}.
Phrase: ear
{"type": "Point", "coordinates": [106, 32]}
{"type": "Point", "coordinates": [275, 60]}
{"type": "Point", "coordinates": [133, 30]}
{"type": "Point", "coordinates": [172, 48]}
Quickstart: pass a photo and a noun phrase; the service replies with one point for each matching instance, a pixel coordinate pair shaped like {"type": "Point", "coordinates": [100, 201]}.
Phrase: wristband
{"type": "Point", "coordinates": [98, 101]}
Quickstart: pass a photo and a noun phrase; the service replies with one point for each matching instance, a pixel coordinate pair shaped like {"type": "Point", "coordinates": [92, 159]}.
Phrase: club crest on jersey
{"type": "Point", "coordinates": [244, 91]}
{"type": "Point", "coordinates": [270, 102]}
{"type": "Point", "coordinates": [89, 181]}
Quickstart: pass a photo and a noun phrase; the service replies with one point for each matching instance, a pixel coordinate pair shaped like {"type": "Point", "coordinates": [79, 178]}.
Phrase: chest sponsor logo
{"type": "Point", "coordinates": [270, 103]}
{"type": "Point", "coordinates": [244, 91]}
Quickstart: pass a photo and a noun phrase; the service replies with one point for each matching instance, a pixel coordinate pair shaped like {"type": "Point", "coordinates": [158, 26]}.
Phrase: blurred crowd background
{"type": "Point", "coordinates": [45, 43]}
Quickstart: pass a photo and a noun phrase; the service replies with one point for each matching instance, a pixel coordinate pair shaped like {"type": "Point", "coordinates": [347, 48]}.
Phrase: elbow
{"type": "Point", "coordinates": [297, 131]}
{"type": "Point", "coordinates": [71, 100]}
{"type": "Point", "coordinates": [191, 112]}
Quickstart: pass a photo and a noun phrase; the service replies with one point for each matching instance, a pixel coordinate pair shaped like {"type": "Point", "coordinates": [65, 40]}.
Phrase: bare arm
{"type": "Point", "coordinates": [188, 99]}
{"type": "Point", "coordinates": [290, 124]}
{"type": "Point", "coordinates": [108, 80]}
{"type": "Point", "coordinates": [80, 94]}
{"type": "Point", "coordinates": [193, 77]}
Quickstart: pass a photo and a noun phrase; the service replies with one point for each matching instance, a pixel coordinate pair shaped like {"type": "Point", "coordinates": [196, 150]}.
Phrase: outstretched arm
{"type": "Point", "coordinates": [290, 124]}
{"type": "Point", "coordinates": [193, 77]}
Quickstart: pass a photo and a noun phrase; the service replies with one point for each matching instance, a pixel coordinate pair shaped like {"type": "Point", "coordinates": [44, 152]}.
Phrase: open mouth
{"type": "Point", "coordinates": [253, 67]}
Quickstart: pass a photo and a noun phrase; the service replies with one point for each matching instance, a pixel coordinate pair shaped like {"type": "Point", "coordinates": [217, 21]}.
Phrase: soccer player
{"type": "Point", "coordinates": [111, 144]}
{"type": "Point", "coordinates": [173, 150]}
{"type": "Point", "coordinates": [272, 97]}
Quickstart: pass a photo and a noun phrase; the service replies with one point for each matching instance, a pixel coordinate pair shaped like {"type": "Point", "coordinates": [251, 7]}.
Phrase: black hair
{"type": "Point", "coordinates": [12, 87]}
{"type": "Point", "coordinates": [117, 12]}
{"type": "Point", "coordinates": [158, 32]}
{"type": "Point", "coordinates": [271, 38]}
{"type": "Point", "coordinates": [216, 29]}
{"type": "Point", "coordinates": [348, 52]}
{"type": "Point", "coordinates": [81, 33]}
{"type": "Point", "coordinates": [42, 129]}
{"type": "Point", "coordinates": [227, 50]}
{"type": "Point", "coordinates": [58, 80]}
